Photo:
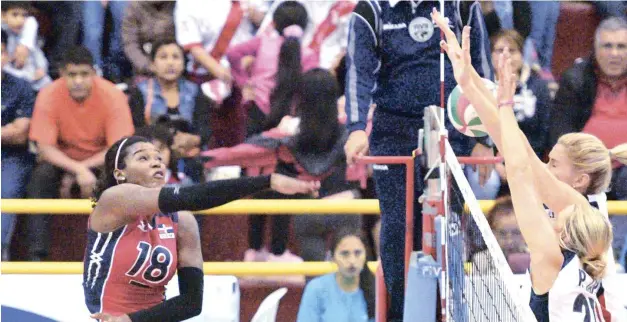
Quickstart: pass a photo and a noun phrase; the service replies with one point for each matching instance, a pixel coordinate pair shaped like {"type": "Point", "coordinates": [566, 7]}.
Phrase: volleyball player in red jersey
{"type": "Point", "coordinates": [139, 236]}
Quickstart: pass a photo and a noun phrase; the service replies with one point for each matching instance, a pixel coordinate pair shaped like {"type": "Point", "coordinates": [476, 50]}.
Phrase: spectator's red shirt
{"type": "Point", "coordinates": [608, 121]}
{"type": "Point", "coordinates": [80, 130]}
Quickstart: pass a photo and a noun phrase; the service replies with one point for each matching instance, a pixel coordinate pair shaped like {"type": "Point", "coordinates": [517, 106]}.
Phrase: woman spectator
{"type": "Point", "coordinates": [265, 80]}
{"type": "Point", "coordinates": [168, 98]}
{"type": "Point", "coordinates": [144, 23]}
{"type": "Point", "coordinates": [306, 146]}
{"type": "Point", "coordinates": [347, 295]}
{"type": "Point", "coordinates": [532, 109]}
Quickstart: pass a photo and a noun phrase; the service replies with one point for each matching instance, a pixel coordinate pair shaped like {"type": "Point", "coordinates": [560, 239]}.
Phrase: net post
{"type": "Point", "coordinates": [409, 213]}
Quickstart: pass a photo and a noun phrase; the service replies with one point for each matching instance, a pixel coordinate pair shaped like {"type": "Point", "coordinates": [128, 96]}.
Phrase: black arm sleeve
{"type": "Point", "coordinates": [188, 304]}
{"type": "Point", "coordinates": [137, 105]}
{"type": "Point", "coordinates": [211, 194]}
{"type": "Point", "coordinates": [202, 112]}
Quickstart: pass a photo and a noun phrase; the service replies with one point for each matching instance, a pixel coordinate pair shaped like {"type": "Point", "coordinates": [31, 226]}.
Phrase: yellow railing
{"type": "Point", "coordinates": [210, 268]}
{"type": "Point", "coordinates": [241, 207]}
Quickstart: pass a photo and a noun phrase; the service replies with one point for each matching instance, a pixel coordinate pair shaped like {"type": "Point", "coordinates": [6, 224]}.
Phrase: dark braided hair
{"type": "Point", "coordinates": [107, 180]}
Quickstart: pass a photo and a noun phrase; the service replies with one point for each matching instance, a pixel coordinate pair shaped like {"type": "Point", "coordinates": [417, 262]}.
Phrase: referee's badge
{"type": "Point", "coordinates": [420, 29]}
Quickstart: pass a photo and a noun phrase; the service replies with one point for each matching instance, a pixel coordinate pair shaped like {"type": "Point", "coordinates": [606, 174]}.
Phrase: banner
{"type": "Point", "coordinates": [49, 298]}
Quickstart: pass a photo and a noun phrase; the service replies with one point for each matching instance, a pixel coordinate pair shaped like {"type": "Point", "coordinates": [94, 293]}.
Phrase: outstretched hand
{"type": "Point", "coordinates": [290, 186]}
{"type": "Point", "coordinates": [507, 79]}
{"type": "Point", "coordinates": [458, 55]}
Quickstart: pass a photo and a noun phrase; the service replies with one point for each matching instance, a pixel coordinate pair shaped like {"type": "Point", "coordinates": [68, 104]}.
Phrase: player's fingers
{"type": "Point", "coordinates": [444, 46]}
{"type": "Point", "coordinates": [442, 23]}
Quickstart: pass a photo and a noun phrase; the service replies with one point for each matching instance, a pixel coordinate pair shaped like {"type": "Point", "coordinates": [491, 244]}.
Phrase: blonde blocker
{"type": "Point", "coordinates": [590, 156]}
{"type": "Point", "coordinates": [588, 233]}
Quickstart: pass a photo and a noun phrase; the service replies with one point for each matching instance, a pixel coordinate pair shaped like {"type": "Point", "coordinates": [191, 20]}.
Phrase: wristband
{"type": "Point", "coordinates": [506, 103]}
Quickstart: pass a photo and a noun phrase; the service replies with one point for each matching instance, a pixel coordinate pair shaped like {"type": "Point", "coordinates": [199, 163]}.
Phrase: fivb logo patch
{"type": "Point", "coordinates": [165, 231]}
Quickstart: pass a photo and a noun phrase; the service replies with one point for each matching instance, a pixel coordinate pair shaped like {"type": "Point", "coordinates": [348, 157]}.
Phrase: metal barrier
{"type": "Point", "coordinates": [241, 207]}
{"type": "Point", "coordinates": [209, 268]}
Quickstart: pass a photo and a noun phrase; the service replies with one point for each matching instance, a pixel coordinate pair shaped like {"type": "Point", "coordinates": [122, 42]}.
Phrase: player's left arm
{"type": "Point", "coordinates": [189, 303]}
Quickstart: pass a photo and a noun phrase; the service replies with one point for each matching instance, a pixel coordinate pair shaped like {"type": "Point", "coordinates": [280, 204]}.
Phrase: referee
{"type": "Point", "coordinates": [393, 60]}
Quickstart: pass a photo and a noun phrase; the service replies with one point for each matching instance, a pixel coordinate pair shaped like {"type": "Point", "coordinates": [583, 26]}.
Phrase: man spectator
{"type": "Point", "coordinates": [75, 120]}
{"type": "Point", "coordinates": [17, 107]}
{"type": "Point", "coordinates": [592, 97]}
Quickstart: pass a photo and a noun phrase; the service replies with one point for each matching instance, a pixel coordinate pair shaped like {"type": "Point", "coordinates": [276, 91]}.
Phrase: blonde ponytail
{"type": "Point", "coordinates": [587, 233]}
{"type": "Point", "coordinates": [594, 266]}
{"type": "Point", "coordinates": [619, 153]}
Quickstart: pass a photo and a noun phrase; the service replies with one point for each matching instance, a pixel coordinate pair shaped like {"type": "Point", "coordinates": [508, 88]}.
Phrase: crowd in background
{"type": "Point", "coordinates": [260, 83]}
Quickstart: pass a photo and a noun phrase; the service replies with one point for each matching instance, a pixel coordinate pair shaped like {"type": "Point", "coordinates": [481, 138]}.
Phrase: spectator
{"type": "Point", "coordinates": [309, 145]}
{"type": "Point", "coordinates": [506, 14]}
{"type": "Point", "coordinates": [93, 31]}
{"type": "Point", "coordinates": [74, 120]}
{"type": "Point", "coordinates": [205, 30]}
{"type": "Point", "coordinates": [26, 60]}
{"type": "Point", "coordinates": [270, 79]}
{"type": "Point", "coordinates": [544, 15]}
{"type": "Point", "coordinates": [532, 109]}
{"type": "Point", "coordinates": [607, 9]}
{"type": "Point", "coordinates": [347, 295]}
{"type": "Point", "coordinates": [168, 97]}
{"type": "Point", "coordinates": [327, 30]}
{"type": "Point", "coordinates": [161, 137]}
{"type": "Point", "coordinates": [65, 17]}
{"type": "Point", "coordinates": [17, 106]}
{"type": "Point", "coordinates": [592, 96]}
{"type": "Point", "coordinates": [144, 23]}
{"type": "Point", "coordinates": [502, 221]}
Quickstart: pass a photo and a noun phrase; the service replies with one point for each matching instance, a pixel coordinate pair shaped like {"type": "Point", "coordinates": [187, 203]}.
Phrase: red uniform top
{"type": "Point", "coordinates": [126, 270]}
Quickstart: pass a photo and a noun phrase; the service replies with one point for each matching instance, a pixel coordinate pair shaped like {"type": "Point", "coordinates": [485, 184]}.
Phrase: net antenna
{"type": "Point", "coordinates": [472, 288]}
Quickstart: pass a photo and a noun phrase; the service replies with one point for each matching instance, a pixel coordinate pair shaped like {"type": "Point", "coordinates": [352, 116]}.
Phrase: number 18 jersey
{"type": "Point", "coordinates": [126, 270]}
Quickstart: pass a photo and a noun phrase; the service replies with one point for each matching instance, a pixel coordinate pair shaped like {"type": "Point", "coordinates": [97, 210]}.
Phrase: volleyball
{"type": "Point", "coordinates": [463, 115]}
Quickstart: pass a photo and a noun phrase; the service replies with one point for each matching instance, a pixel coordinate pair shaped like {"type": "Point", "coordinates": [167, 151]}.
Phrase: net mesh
{"type": "Point", "coordinates": [480, 283]}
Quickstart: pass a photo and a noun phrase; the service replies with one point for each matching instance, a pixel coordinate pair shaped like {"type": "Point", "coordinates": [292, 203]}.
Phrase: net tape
{"type": "Point", "coordinates": [486, 290]}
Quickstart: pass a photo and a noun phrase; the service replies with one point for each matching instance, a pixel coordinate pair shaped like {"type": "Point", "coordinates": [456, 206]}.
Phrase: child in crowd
{"type": "Point", "coordinates": [27, 59]}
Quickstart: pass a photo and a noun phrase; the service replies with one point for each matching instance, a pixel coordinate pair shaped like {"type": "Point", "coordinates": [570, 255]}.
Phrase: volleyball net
{"type": "Point", "coordinates": [475, 282]}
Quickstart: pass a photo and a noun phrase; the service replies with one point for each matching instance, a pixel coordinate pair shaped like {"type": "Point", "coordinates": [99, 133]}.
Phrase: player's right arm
{"type": "Point", "coordinates": [362, 66]}
{"type": "Point", "coordinates": [555, 194]}
{"type": "Point", "coordinates": [124, 203]}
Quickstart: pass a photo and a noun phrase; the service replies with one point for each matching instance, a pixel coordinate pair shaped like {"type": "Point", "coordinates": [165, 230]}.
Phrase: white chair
{"type": "Point", "coordinates": [268, 309]}
{"type": "Point", "coordinates": [221, 299]}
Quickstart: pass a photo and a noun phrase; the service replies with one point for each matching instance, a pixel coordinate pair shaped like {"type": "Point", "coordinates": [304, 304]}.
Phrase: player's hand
{"type": "Point", "coordinates": [20, 56]}
{"type": "Point", "coordinates": [104, 317]}
{"type": "Point", "coordinates": [356, 146]}
{"type": "Point", "coordinates": [458, 55]}
{"type": "Point", "coordinates": [290, 186]}
{"type": "Point", "coordinates": [484, 170]}
{"type": "Point", "coordinates": [507, 80]}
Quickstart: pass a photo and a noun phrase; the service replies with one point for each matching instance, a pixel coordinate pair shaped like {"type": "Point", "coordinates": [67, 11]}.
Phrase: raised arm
{"type": "Point", "coordinates": [535, 226]}
{"type": "Point", "coordinates": [554, 193]}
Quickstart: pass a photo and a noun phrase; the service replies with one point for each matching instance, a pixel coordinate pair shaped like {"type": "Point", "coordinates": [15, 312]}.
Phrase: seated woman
{"type": "Point", "coordinates": [531, 106]}
{"type": "Point", "coordinates": [307, 146]}
{"type": "Point", "coordinates": [348, 294]}
{"type": "Point", "coordinates": [171, 99]}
